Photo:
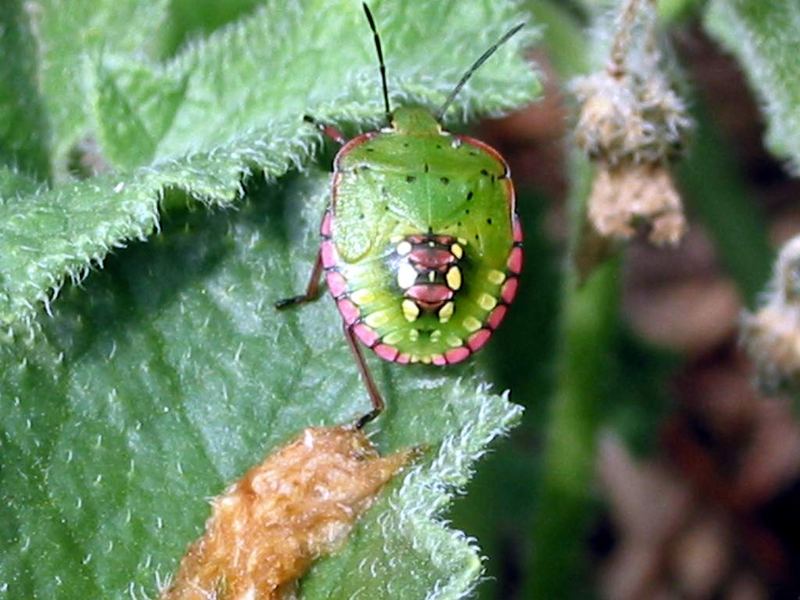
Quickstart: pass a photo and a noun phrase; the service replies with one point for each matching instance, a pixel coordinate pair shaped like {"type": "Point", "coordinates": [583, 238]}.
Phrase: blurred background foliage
{"type": "Point", "coordinates": [646, 465]}
{"type": "Point", "coordinates": [687, 476]}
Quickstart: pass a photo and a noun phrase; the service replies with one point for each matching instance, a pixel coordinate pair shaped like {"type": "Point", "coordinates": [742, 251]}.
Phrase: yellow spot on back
{"type": "Point", "coordinates": [432, 276]}
{"type": "Point", "coordinates": [457, 250]}
{"type": "Point", "coordinates": [496, 277]}
{"type": "Point", "coordinates": [426, 360]}
{"type": "Point", "coordinates": [394, 337]}
{"type": "Point", "coordinates": [454, 278]}
{"type": "Point", "coordinates": [446, 312]}
{"type": "Point", "coordinates": [436, 335]}
{"type": "Point", "coordinates": [410, 310]}
{"type": "Point", "coordinates": [471, 323]}
{"type": "Point", "coordinates": [363, 296]}
{"type": "Point", "coordinates": [413, 335]}
{"type": "Point", "coordinates": [462, 241]}
{"type": "Point", "coordinates": [487, 302]}
{"type": "Point", "coordinates": [414, 358]}
{"type": "Point", "coordinates": [454, 341]}
{"type": "Point", "coordinates": [377, 319]}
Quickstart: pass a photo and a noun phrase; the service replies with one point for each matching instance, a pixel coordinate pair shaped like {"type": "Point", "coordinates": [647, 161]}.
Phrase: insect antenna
{"type": "Point", "coordinates": [380, 60]}
{"type": "Point", "coordinates": [476, 65]}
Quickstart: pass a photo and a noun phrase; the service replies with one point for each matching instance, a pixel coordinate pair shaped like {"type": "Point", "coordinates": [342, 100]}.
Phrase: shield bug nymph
{"type": "Point", "coordinates": [421, 243]}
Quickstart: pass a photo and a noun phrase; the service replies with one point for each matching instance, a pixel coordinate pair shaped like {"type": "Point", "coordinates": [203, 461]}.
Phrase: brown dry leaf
{"type": "Point", "coordinates": [691, 316]}
{"type": "Point", "coordinates": [679, 297]}
{"type": "Point", "coordinates": [648, 506]}
{"type": "Point", "coordinates": [268, 527]}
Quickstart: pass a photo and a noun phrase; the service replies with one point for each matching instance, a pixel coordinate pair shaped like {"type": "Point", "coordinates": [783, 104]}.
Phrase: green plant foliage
{"type": "Point", "coordinates": [168, 372]}
{"type": "Point", "coordinates": [765, 36]}
{"type": "Point", "coordinates": [171, 373]}
{"type": "Point", "coordinates": [23, 126]}
{"type": "Point", "coordinates": [66, 37]}
{"type": "Point", "coordinates": [232, 105]}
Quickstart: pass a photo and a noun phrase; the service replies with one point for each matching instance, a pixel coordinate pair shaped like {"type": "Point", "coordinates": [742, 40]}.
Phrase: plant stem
{"type": "Point", "coordinates": [588, 327]}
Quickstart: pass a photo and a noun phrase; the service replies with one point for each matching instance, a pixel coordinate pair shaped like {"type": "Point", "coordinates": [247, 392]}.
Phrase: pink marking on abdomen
{"type": "Point", "coordinates": [432, 258]}
{"type": "Point", "coordinates": [496, 316]}
{"type": "Point", "coordinates": [509, 290]}
{"type": "Point", "coordinates": [337, 284]}
{"type": "Point", "coordinates": [517, 229]}
{"type": "Point", "coordinates": [514, 263]}
{"type": "Point", "coordinates": [430, 293]}
{"type": "Point", "coordinates": [348, 310]}
{"type": "Point", "coordinates": [325, 228]}
{"type": "Point", "coordinates": [329, 255]}
{"type": "Point", "coordinates": [439, 361]}
{"type": "Point", "coordinates": [403, 358]}
{"type": "Point", "coordinates": [478, 339]}
{"type": "Point", "coordinates": [385, 351]}
{"type": "Point", "coordinates": [366, 334]}
{"type": "Point", "coordinates": [457, 354]}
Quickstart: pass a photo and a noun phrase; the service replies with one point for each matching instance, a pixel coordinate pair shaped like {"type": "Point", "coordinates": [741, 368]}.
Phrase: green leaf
{"type": "Point", "coordinates": [66, 39]}
{"type": "Point", "coordinates": [24, 135]}
{"type": "Point", "coordinates": [170, 373]}
{"type": "Point", "coordinates": [232, 105]}
{"type": "Point", "coordinates": [189, 19]}
{"type": "Point", "coordinates": [764, 36]}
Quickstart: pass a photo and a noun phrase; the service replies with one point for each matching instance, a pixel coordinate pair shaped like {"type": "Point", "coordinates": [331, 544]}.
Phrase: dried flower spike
{"type": "Point", "coordinates": [632, 124]}
{"type": "Point", "coordinates": [268, 527]}
{"type": "Point", "coordinates": [772, 335]}
{"type": "Point", "coordinates": [625, 194]}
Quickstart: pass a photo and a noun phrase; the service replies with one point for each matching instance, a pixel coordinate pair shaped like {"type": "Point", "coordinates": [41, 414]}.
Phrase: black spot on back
{"type": "Point", "coordinates": [444, 180]}
{"type": "Point", "coordinates": [489, 221]}
{"type": "Point", "coordinates": [469, 195]}
{"type": "Point", "coordinates": [484, 172]}
{"type": "Point", "coordinates": [410, 178]}
{"type": "Point", "coordinates": [425, 167]}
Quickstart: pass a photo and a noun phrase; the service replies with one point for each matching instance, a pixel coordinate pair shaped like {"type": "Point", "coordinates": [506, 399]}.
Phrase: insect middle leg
{"type": "Point", "coordinates": [372, 389]}
{"type": "Point", "coordinates": [312, 289]}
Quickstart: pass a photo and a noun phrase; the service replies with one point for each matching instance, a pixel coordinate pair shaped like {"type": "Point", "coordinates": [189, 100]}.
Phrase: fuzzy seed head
{"type": "Point", "coordinates": [771, 335]}
{"type": "Point", "coordinates": [628, 118]}
{"type": "Point", "coordinates": [626, 195]}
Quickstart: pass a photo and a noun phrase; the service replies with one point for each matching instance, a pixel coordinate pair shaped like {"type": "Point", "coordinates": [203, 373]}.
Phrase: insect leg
{"type": "Point", "coordinates": [328, 130]}
{"type": "Point", "coordinates": [312, 289]}
{"type": "Point", "coordinates": [372, 389]}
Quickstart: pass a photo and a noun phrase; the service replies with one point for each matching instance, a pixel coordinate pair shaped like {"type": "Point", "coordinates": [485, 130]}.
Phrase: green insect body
{"type": "Point", "coordinates": [421, 245]}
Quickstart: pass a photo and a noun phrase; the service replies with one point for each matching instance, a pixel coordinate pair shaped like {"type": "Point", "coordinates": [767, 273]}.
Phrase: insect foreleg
{"type": "Point", "coordinates": [327, 130]}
